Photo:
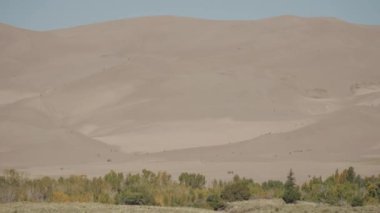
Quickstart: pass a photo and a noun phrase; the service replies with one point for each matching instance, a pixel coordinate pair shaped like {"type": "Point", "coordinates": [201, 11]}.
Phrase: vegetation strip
{"type": "Point", "coordinates": [159, 189]}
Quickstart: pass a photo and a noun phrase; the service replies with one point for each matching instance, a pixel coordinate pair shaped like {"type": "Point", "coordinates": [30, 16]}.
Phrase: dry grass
{"type": "Point", "coordinates": [269, 206]}
{"type": "Point", "coordinates": [90, 207]}
{"type": "Point", "coordinates": [254, 206]}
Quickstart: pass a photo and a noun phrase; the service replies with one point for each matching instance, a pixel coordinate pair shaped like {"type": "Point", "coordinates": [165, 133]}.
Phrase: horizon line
{"type": "Point", "coordinates": [190, 17]}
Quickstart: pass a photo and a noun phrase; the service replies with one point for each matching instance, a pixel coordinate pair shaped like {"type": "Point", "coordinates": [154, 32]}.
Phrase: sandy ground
{"type": "Point", "coordinates": [92, 207]}
{"type": "Point", "coordinates": [252, 206]}
{"type": "Point", "coordinates": [253, 97]}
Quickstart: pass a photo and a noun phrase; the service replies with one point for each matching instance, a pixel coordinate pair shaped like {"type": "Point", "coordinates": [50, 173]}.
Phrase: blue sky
{"type": "Point", "coordinates": [53, 14]}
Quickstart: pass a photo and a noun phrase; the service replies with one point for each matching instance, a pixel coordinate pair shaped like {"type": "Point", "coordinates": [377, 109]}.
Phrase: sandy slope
{"type": "Point", "coordinates": [30, 137]}
{"type": "Point", "coordinates": [301, 92]}
{"type": "Point", "coordinates": [345, 136]}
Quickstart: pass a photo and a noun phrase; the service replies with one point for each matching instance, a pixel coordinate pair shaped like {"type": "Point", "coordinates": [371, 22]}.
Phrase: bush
{"type": "Point", "coordinates": [236, 191]}
{"type": "Point", "coordinates": [215, 202]}
{"type": "Point", "coordinates": [193, 180]}
{"type": "Point", "coordinates": [357, 201]}
{"type": "Point", "coordinates": [138, 190]}
{"type": "Point", "coordinates": [114, 179]}
{"type": "Point", "coordinates": [273, 189]}
{"type": "Point", "coordinates": [60, 197]}
{"type": "Point", "coordinates": [133, 198]}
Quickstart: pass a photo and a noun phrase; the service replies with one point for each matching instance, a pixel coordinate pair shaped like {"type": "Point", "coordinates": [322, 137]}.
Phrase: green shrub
{"type": "Point", "coordinates": [135, 198]}
{"type": "Point", "coordinates": [114, 179]}
{"type": "Point", "coordinates": [215, 202]}
{"type": "Point", "coordinates": [193, 180]}
{"type": "Point", "coordinates": [357, 201]}
{"type": "Point", "coordinates": [236, 191]}
{"type": "Point", "coordinates": [273, 189]}
{"type": "Point", "coordinates": [103, 198]}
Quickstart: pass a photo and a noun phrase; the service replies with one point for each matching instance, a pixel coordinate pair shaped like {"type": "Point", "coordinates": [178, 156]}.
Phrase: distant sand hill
{"type": "Point", "coordinates": [254, 98]}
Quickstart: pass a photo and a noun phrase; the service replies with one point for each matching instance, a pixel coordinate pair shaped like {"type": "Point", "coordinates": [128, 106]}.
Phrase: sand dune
{"type": "Point", "coordinates": [298, 91]}
{"type": "Point", "coordinates": [346, 136]}
{"type": "Point", "coordinates": [30, 137]}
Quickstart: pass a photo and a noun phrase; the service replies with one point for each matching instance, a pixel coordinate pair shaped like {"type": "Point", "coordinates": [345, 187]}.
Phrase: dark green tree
{"type": "Point", "coordinates": [351, 175]}
{"type": "Point", "coordinates": [291, 191]}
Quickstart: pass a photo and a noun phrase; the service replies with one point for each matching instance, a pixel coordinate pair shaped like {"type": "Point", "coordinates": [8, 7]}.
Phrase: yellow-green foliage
{"type": "Point", "coordinates": [237, 190]}
{"type": "Point", "coordinates": [343, 188]}
{"type": "Point", "coordinates": [192, 179]}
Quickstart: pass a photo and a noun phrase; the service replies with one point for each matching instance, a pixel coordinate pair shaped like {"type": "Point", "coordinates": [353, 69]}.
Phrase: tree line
{"type": "Point", "coordinates": [159, 188]}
